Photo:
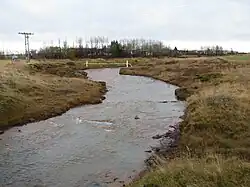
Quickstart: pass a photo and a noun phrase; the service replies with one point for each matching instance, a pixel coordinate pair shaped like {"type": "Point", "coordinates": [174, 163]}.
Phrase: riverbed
{"type": "Point", "coordinates": [92, 145]}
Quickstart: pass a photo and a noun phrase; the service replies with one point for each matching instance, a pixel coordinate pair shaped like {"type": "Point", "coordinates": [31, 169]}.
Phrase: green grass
{"type": "Point", "coordinates": [238, 57]}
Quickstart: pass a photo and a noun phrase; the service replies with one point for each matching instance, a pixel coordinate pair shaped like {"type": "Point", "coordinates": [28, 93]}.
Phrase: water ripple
{"type": "Point", "coordinates": [95, 144]}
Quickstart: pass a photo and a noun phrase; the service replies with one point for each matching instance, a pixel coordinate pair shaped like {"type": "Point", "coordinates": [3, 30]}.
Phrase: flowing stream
{"type": "Point", "coordinates": [93, 145]}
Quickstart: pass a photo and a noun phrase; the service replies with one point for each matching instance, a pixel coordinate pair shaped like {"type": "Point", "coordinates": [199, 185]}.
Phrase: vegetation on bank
{"type": "Point", "coordinates": [214, 148]}
{"type": "Point", "coordinates": [37, 91]}
{"type": "Point", "coordinates": [46, 88]}
{"type": "Point", "coordinates": [214, 144]}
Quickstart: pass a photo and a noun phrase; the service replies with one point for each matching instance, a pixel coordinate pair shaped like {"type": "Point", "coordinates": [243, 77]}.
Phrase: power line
{"type": "Point", "coordinates": [27, 44]}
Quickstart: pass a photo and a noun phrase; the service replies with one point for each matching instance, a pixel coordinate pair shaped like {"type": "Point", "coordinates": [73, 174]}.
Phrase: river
{"type": "Point", "coordinates": [92, 145]}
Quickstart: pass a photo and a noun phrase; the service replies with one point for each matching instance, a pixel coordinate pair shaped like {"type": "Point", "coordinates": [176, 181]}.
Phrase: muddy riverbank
{"type": "Point", "coordinates": [93, 145]}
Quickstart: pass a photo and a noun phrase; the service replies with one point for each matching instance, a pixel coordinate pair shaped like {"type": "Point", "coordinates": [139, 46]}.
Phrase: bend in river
{"type": "Point", "coordinates": [93, 145]}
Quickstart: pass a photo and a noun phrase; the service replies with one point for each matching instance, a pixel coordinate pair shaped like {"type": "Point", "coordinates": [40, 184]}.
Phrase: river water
{"type": "Point", "coordinates": [92, 145]}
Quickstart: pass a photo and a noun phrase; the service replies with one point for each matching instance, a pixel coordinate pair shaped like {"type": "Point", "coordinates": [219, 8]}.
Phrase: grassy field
{"type": "Point", "coordinates": [239, 57]}
{"type": "Point", "coordinates": [214, 147]}
{"type": "Point", "coordinates": [36, 91]}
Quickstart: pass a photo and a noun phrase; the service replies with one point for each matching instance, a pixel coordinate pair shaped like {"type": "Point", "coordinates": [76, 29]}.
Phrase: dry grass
{"type": "Point", "coordinates": [216, 120]}
{"type": "Point", "coordinates": [3, 63]}
{"type": "Point", "coordinates": [210, 171]}
{"type": "Point", "coordinates": [27, 95]}
{"type": "Point", "coordinates": [220, 116]}
{"type": "Point", "coordinates": [43, 89]}
{"type": "Point", "coordinates": [217, 117]}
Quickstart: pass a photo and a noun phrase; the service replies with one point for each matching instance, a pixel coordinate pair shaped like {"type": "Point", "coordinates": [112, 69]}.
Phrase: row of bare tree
{"type": "Point", "coordinates": [101, 47]}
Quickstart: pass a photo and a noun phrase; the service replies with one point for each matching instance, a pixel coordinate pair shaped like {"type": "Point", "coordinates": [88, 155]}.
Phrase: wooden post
{"type": "Point", "coordinates": [87, 64]}
{"type": "Point", "coordinates": [127, 63]}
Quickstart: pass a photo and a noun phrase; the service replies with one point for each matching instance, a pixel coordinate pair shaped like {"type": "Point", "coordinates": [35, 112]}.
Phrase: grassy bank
{"type": "Point", "coordinates": [214, 148]}
{"type": "Point", "coordinates": [39, 90]}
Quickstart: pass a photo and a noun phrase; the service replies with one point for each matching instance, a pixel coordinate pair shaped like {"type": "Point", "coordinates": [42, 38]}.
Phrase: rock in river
{"type": "Point", "coordinates": [137, 117]}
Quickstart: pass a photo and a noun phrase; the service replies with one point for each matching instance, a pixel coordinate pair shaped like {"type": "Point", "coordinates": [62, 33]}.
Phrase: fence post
{"type": "Point", "coordinates": [127, 63]}
{"type": "Point", "coordinates": [87, 64]}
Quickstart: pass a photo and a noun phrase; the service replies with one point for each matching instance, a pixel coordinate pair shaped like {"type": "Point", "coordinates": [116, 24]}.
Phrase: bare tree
{"type": "Point", "coordinates": [80, 45]}
{"type": "Point", "coordinates": [96, 41]}
{"type": "Point", "coordinates": [91, 42]}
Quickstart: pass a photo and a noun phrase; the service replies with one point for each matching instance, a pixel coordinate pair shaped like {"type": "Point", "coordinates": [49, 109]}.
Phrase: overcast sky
{"type": "Point", "coordinates": [185, 23]}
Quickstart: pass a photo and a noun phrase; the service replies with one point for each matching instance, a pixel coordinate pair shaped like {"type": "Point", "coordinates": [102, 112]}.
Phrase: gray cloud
{"type": "Point", "coordinates": [182, 20]}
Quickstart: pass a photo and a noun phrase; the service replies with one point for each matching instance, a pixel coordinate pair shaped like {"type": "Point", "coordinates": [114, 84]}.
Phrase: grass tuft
{"type": "Point", "coordinates": [210, 171]}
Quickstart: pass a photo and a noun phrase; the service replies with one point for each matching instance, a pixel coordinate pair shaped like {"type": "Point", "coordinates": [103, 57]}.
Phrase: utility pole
{"type": "Point", "coordinates": [27, 44]}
